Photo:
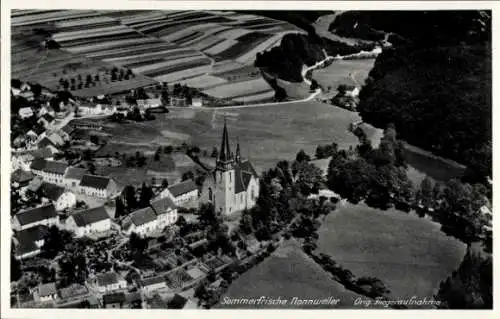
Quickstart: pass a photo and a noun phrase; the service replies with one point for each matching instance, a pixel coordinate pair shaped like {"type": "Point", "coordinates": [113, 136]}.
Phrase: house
{"type": "Point", "coordinates": [21, 178]}
{"type": "Point", "coordinates": [60, 197]}
{"type": "Point", "coordinates": [98, 186]}
{"type": "Point", "coordinates": [142, 222]}
{"type": "Point", "coordinates": [197, 102]}
{"type": "Point", "coordinates": [68, 129]}
{"type": "Point", "coordinates": [43, 215]}
{"type": "Point", "coordinates": [35, 134]}
{"type": "Point", "coordinates": [114, 300]}
{"type": "Point", "coordinates": [91, 221]}
{"type": "Point", "coordinates": [47, 120]}
{"type": "Point", "coordinates": [181, 193]}
{"type": "Point", "coordinates": [73, 177]}
{"type": "Point", "coordinates": [153, 283]}
{"type": "Point", "coordinates": [149, 103]}
{"type": "Point", "coordinates": [46, 292]}
{"type": "Point", "coordinates": [46, 153]}
{"type": "Point", "coordinates": [50, 171]}
{"type": "Point", "coordinates": [74, 291]}
{"type": "Point", "coordinates": [165, 210]}
{"type": "Point", "coordinates": [25, 112]}
{"type": "Point", "coordinates": [110, 281]}
{"type": "Point", "coordinates": [35, 184]}
{"type": "Point", "coordinates": [178, 101]}
{"type": "Point", "coordinates": [56, 139]}
{"type": "Point", "coordinates": [45, 142]}
{"type": "Point", "coordinates": [28, 242]}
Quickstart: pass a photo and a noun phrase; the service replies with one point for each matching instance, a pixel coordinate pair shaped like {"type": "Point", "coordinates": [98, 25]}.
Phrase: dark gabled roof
{"type": "Point", "coordinates": [117, 297]}
{"type": "Point", "coordinates": [49, 118]}
{"type": "Point", "coordinates": [25, 247]}
{"type": "Point", "coordinates": [142, 216]}
{"type": "Point", "coordinates": [162, 205]}
{"type": "Point", "coordinates": [47, 289]}
{"type": "Point", "coordinates": [32, 234]}
{"type": "Point", "coordinates": [38, 164]}
{"type": "Point", "coordinates": [75, 173]}
{"type": "Point", "coordinates": [38, 129]}
{"type": "Point", "coordinates": [51, 191]}
{"type": "Point", "coordinates": [42, 153]}
{"type": "Point", "coordinates": [246, 166]}
{"type": "Point", "coordinates": [45, 142]}
{"type": "Point", "coordinates": [153, 280]}
{"type": "Point", "coordinates": [90, 216]}
{"type": "Point", "coordinates": [21, 176]}
{"type": "Point", "coordinates": [36, 214]}
{"type": "Point", "coordinates": [68, 129]}
{"type": "Point", "coordinates": [107, 278]}
{"type": "Point", "coordinates": [73, 291]}
{"type": "Point", "coordinates": [182, 188]}
{"type": "Point", "coordinates": [94, 181]}
{"type": "Point", "coordinates": [55, 167]}
{"type": "Point", "coordinates": [243, 174]}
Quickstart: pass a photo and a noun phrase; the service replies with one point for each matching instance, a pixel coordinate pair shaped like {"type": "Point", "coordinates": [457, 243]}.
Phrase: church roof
{"type": "Point", "coordinates": [182, 188]}
{"type": "Point", "coordinates": [243, 172]}
{"type": "Point", "coordinates": [225, 151]}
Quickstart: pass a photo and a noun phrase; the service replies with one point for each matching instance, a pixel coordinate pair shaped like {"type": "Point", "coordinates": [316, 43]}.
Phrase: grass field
{"type": "Point", "coordinates": [409, 254]}
{"type": "Point", "coordinates": [351, 72]}
{"type": "Point", "coordinates": [287, 273]}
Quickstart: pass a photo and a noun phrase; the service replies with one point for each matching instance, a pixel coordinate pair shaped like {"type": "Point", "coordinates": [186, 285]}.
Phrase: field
{"type": "Point", "coordinates": [287, 273]}
{"type": "Point", "coordinates": [351, 72]}
{"type": "Point", "coordinates": [172, 46]}
{"type": "Point", "coordinates": [409, 254]}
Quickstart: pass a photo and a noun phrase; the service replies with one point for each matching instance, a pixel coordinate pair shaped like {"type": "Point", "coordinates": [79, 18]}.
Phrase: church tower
{"type": "Point", "coordinates": [225, 177]}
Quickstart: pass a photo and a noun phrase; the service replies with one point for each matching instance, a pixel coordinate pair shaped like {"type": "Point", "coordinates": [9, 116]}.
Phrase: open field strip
{"type": "Point", "coordinates": [145, 54]}
{"type": "Point", "coordinates": [226, 66]}
{"type": "Point", "coordinates": [142, 17]}
{"type": "Point", "coordinates": [183, 74]}
{"type": "Point", "coordinates": [133, 49]}
{"type": "Point", "coordinates": [85, 34]}
{"type": "Point", "coordinates": [115, 87]}
{"type": "Point", "coordinates": [161, 57]}
{"type": "Point", "coordinates": [168, 63]}
{"type": "Point", "coordinates": [96, 47]}
{"type": "Point", "coordinates": [245, 43]}
{"type": "Point", "coordinates": [204, 81]}
{"type": "Point", "coordinates": [206, 39]}
{"type": "Point", "coordinates": [206, 43]}
{"type": "Point", "coordinates": [51, 16]}
{"type": "Point", "coordinates": [249, 56]}
{"type": "Point", "coordinates": [233, 34]}
{"type": "Point", "coordinates": [234, 89]}
{"type": "Point", "coordinates": [216, 49]}
{"type": "Point", "coordinates": [178, 67]}
{"type": "Point", "coordinates": [205, 28]}
{"type": "Point", "coordinates": [257, 97]}
{"type": "Point", "coordinates": [87, 22]}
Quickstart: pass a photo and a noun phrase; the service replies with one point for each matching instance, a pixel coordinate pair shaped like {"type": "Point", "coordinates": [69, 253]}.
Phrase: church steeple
{"type": "Point", "coordinates": [225, 156]}
{"type": "Point", "coordinates": [238, 152]}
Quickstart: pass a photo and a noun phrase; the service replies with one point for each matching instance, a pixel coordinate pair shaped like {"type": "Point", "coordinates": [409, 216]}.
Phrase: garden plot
{"type": "Point", "coordinates": [44, 16]}
{"type": "Point", "coordinates": [239, 89]}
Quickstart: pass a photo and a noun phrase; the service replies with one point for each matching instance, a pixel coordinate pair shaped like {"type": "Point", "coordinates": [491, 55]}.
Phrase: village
{"type": "Point", "coordinates": [86, 240]}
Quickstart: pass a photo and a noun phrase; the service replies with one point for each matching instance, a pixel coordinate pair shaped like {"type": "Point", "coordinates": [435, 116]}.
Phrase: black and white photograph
{"type": "Point", "coordinates": [249, 159]}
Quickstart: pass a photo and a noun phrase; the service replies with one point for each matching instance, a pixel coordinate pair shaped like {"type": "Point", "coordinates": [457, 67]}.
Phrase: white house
{"type": "Point", "coordinates": [149, 103]}
{"type": "Point", "coordinates": [110, 281]}
{"type": "Point", "coordinates": [60, 197]}
{"type": "Point", "coordinates": [154, 283]}
{"type": "Point", "coordinates": [197, 102]}
{"type": "Point", "coordinates": [43, 215]}
{"type": "Point", "coordinates": [25, 112]}
{"type": "Point", "coordinates": [46, 292]}
{"type": "Point", "coordinates": [45, 142]}
{"type": "Point", "coordinates": [142, 222]}
{"type": "Point", "coordinates": [165, 210]}
{"type": "Point", "coordinates": [51, 171]}
{"type": "Point", "coordinates": [91, 221]}
{"type": "Point", "coordinates": [181, 193]}
{"type": "Point", "coordinates": [73, 177]}
{"type": "Point", "coordinates": [98, 186]}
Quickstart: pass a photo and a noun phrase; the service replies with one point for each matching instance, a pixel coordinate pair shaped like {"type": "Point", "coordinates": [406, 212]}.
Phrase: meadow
{"type": "Point", "coordinates": [351, 72]}
{"type": "Point", "coordinates": [409, 254]}
{"type": "Point", "coordinates": [287, 273]}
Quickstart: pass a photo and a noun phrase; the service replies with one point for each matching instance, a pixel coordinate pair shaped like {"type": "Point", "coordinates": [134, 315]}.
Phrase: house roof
{"type": "Point", "coordinates": [51, 191]}
{"type": "Point", "coordinates": [162, 205]}
{"type": "Point", "coordinates": [117, 297]}
{"type": "Point", "coordinates": [94, 181]}
{"type": "Point", "coordinates": [21, 176]}
{"type": "Point", "coordinates": [47, 289]}
{"type": "Point", "coordinates": [68, 129]}
{"type": "Point", "coordinates": [42, 153]}
{"type": "Point", "coordinates": [46, 142]}
{"type": "Point", "coordinates": [107, 278]}
{"type": "Point", "coordinates": [25, 247]}
{"type": "Point", "coordinates": [25, 109]}
{"type": "Point", "coordinates": [38, 164]}
{"type": "Point", "coordinates": [75, 173]}
{"type": "Point", "coordinates": [73, 291]}
{"type": "Point", "coordinates": [49, 118]}
{"type": "Point", "coordinates": [244, 172]}
{"type": "Point", "coordinates": [153, 281]}
{"type": "Point", "coordinates": [38, 129]}
{"type": "Point", "coordinates": [36, 214]}
{"type": "Point", "coordinates": [35, 184]}
{"type": "Point", "coordinates": [90, 216]}
{"type": "Point", "coordinates": [55, 167]}
{"type": "Point", "coordinates": [182, 188]}
{"type": "Point", "coordinates": [31, 234]}
{"type": "Point", "coordinates": [142, 216]}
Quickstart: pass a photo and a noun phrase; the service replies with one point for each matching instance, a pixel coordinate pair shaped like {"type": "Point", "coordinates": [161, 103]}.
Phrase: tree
{"type": "Point", "coordinates": [187, 175]}
{"type": "Point", "coordinates": [146, 195]}
{"type": "Point", "coordinates": [425, 196]}
{"type": "Point", "coordinates": [168, 149]}
{"type": "Point", "coordinates": [157, 155]}
{"type": "Point", "coordinates": [15, 267]}
{"type": "Point", "coordinates": [246, 222]}
{"type": "Point", "coordinates": [130, 199]}
{"type": "Point", "coordinates": [302, 156]}
{"type": "Point", "coordinates": [54, 242]}
{"type": "Point", "coordinates": [352, 179]}
{"type": "Point", "coordinates": [119, 207]}
{"type": "Point", "coordinates": [308, 178]}
{"type": "Point", "coordinates": [214, 153]}
{"type": "Point", "coordinates": [164, 183]}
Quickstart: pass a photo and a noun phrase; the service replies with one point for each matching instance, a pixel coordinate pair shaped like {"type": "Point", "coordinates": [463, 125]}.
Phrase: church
{"type": "Point", "coordinates": [233, 185]}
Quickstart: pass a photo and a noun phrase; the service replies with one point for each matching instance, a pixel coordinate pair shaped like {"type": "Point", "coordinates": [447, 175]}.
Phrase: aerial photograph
{"type": "Point", "coordinates": [205, 159]}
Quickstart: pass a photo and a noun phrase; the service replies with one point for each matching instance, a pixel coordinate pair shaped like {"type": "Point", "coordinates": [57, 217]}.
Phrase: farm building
{"type": "Point", "coordinates": [178, 101]}
{"type": "Point", "coordinates": [46, 292]}
{"type": "Point", "coordinates": [142, 222]}
{"type": "Point", "coordinates": [197, 102]}
{"type": "Point", "coordinates": [181, 193]}
{"type": "Point", "coordinates": [43, 215]}
{"type": "Point", "coordinates": [149, 103]}
{"type": "Point", "coordinates": [114, 300]}
{"type": "Point", "coordinates": [47, 120]}
{"type": "Point", "coordinates": [165, 210]}
{"type": "Point", "coordinates": [28, 242]}
{"type": "Point", "coordinates": [98, 186]}
{"type": "Point", "coordinates": [110, 281]}
{"type": "Point", "coordinates": [73, 177]}
{"type": "Point", "coordinates": [73, 291]}
{"type": "Point", "coordinates": [21, 178]}
{"type": "Point", "coordinates": [25, 112]}
{"type": "Point", "coordinates": [91, 221]}
{"type": "Point", "coordinates": [154, 283]}
{"type": "Point", "coordinates": [50, 171]}
{"type": "Point", "coordinates": [60, 197]}
{"type": "Point", "coordinates": [48, 143]}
